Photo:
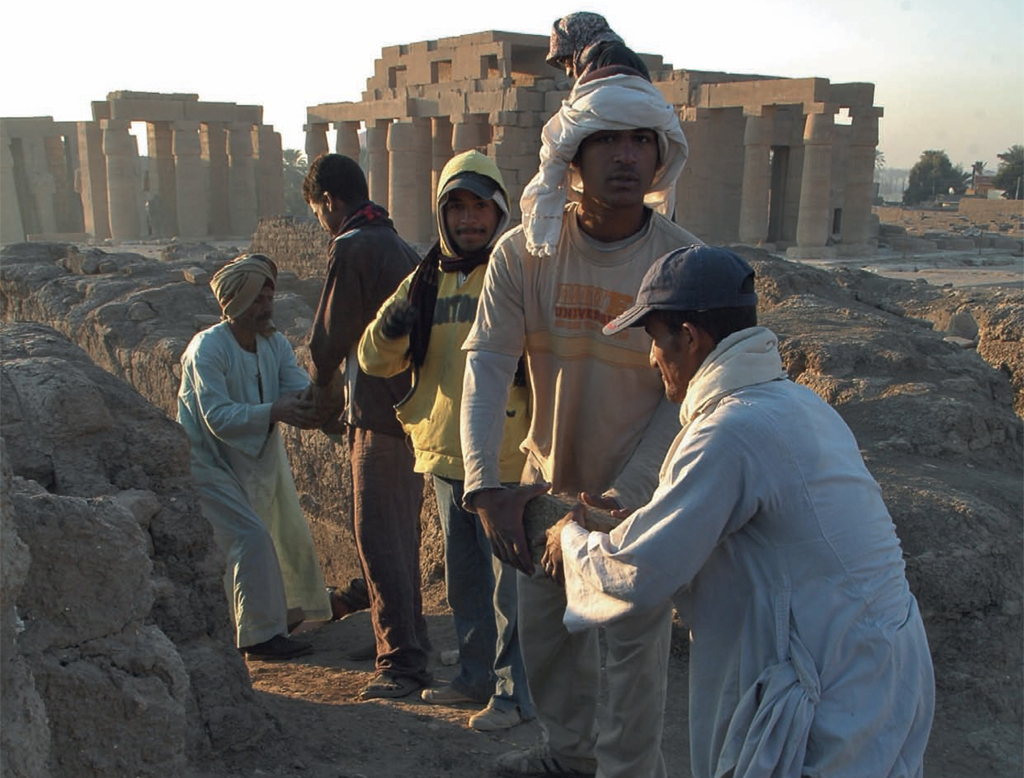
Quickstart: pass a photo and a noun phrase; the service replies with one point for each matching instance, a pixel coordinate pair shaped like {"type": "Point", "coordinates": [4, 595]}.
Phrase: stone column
{"type": "Point", "coordinates": [124, 181]}
{"type": "Point", "coordinates": [814, 222]}
{"type": "Point", "coordinates": [92, 180]}
{"type": "Point", "coordinates": [316, 140]}
{"type": "Point", "coordinates": [409, 147]}
{"type": "Point", "coordinates": [377, 160]}
{"type": "Point", "coordinates": [213, 140]}
{"type": "Point", "coordinates": [860, 175]}
{"type": "Point", "coordinates": [11, 228]}
{"type": "Point", "coordinates": [441, 152]}
{"type": "Point", "coordinates": [469, 132]}
{"type": "Point", "coordinates": [162, 196]}
{"type": "Point", "coordinates": [39, 215]}
{"type": "Point", "coordinates": [269, 171]}
{"type": "Point", "coordinates": [241, 179]}
{"type": "Point", "coordinates": [757, 139]}
{"type": "Point", "coordinates": [347, 142]}
{"type": "Point", "coordinates": [192, 188]}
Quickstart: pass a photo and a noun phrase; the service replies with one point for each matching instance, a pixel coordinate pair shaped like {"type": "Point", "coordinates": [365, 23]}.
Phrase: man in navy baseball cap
{"type": "Point", "coordinates": [771, 538]}
{"type": "Point", "coordinates": [693, 278]}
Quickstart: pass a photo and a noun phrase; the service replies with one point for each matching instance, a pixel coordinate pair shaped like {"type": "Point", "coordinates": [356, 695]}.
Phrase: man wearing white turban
{"type": "Point", "coordinates": [594, 221]}
{"type": "Point", "coordinates": [239, 379]}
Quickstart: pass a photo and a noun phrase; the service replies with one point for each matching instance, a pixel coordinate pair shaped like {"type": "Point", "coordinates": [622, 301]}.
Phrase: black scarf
{"type": "Point", "coordinates": [423, 297]}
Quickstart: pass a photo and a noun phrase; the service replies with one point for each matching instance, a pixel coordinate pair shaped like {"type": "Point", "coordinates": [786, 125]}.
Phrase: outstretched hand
{"type": "Point", "coordinates": [610, 504]}
{"type": "Point", "coordinates": [501, 514]}
{"type": "Point", "coordinates": [298, 410]}
{"type": "Point", "coordinates": [552, 561]}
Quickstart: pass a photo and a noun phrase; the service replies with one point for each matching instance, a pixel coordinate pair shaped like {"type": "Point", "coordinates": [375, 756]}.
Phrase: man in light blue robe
{"type": "Point", "coordinates": [808, 655]}
{"type": "Point", "coordinates": [239, 378]}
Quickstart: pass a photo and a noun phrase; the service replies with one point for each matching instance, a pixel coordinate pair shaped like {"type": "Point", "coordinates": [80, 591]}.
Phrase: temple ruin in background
{"type": "Point", "coordinates": [779, 162]}
{"type": "Point", "coordinates": [211, 170]}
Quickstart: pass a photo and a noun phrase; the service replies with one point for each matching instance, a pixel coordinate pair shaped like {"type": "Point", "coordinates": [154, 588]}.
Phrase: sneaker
{"type": "Point", "coordinates": [445, 695]}
{"type": "Point", "coordinates": [492, 720]}
{"type": "Point", "coordinates": [278, 648]}
{"type": "Point", "coordinates": [537, 760]}
{"type": "Point", "coordinates": [387, 686]}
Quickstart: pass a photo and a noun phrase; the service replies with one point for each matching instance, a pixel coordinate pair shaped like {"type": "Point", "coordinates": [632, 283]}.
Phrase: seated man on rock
{"type": "Point", "coordinates": [239, 379]}
{"type": "Point", "coordinates": [808, 655]}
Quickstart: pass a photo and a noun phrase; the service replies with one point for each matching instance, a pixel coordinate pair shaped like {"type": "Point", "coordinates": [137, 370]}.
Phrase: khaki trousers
{"type": "Point", "coordinates": [622, 733]}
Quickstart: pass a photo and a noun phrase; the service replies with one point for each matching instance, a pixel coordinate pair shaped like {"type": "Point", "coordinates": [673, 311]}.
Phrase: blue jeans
{"type": "Point", "coordinates": [484, 603]}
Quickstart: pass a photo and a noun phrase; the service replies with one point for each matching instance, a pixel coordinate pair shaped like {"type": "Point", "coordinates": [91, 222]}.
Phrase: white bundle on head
{"type": "Point", "coordinates": [616, 102]}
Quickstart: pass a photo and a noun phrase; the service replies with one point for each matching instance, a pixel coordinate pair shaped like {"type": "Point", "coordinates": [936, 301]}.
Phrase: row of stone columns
{"type": "Point", "coordinates": [204, 179]}
{"type": "Point", "coordinates": [403, 161]}
{"type": "Point", "coordinates": [814, 222]}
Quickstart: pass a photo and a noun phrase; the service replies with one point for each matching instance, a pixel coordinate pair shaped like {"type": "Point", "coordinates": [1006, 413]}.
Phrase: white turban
{"type": "Point", "coordinates": [617, 102]}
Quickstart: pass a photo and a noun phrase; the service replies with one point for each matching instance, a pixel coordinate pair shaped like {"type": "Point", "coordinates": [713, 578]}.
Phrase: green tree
{"type": "Point", "coordinates": [934, 175]}
{"type": "Point", "coordinates": [295, 168]}
{"type": "Point", "coordinates": [1010, 176]}
{"type": "Point", "coordinates": [879, 160]}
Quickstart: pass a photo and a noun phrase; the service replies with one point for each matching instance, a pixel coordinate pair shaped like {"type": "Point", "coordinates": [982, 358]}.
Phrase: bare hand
{"type": "Point", "coordinates": [610, 504]}
{"type": "Point", "coordinates": [329, 401]}
{"type": "Point", "coordinates": [501, 514]}
{"type": "Point", "coordinates": [552, 561]}
{"type": "Point", "coordinates": [296, 410]}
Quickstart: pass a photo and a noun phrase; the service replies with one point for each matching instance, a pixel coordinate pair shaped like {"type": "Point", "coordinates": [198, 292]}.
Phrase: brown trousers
{"type": "Point", "coordinates": [387, 497]}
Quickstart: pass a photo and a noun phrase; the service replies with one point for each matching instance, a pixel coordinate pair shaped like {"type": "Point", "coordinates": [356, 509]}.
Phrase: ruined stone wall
{"type": "Point", "coordinates": [211, 170]}
{"type": "Point", "coordinates": [117, 652]}
{"type": "Point", "coordinates": [295, 244]}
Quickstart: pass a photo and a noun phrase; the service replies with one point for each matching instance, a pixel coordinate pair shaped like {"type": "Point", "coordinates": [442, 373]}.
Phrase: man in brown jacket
{"type": "Point", "coordinates": [367, 260]}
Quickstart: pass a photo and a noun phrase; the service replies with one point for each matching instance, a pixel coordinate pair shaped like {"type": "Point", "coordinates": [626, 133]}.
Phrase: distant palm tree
{"type": "Point", "coordinates": [879, 159]}
{"type": "Point", "coordinates": [1010, 177]}
{"type": "Point", "coordinates": [295, 167]}
{"type": "Point", "coordinates": [294, 158]}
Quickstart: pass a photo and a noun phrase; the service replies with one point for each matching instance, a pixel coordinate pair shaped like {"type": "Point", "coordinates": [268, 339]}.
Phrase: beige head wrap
{"type": "Point", "coordinates": [237, 284]}
{"type": "Point", "coordinates": [616, 102]}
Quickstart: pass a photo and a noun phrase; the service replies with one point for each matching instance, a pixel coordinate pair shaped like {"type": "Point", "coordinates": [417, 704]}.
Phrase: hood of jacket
{"type": "Point", "coordinates": [471, 162]}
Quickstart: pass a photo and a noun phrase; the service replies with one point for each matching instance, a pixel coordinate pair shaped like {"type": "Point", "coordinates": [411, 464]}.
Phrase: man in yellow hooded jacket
{"type": "Point", "coordinates": [421, 327]}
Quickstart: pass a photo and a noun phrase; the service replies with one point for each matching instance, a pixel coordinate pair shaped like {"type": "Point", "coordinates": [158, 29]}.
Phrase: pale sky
{"type": "Point", "coordinates": [949, 73]}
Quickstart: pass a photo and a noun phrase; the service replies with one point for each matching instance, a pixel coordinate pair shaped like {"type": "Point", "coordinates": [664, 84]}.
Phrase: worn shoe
{"type": "Point", "coordinates": [537, 760]}
{"type": "Point", "coordinates": [492, 720]}
{"type": "Point", "coordinates": [277, 649]}
{"type": "Point", "coordinates": [352, 598]}
{"type": "Point", "coordinates": [387, 686]}
{"type": "Point", "coordinates": [445, 695]}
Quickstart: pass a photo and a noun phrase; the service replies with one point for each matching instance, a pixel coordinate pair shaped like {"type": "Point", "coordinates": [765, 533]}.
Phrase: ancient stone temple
{"type": "Point", "coordinates": [211, 169]}
{"type": "Point", "coordinates": [779, 162]}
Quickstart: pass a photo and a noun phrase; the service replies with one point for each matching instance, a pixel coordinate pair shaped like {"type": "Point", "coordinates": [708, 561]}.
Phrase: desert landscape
{"type": "Point", "coordinates": [116, 642]}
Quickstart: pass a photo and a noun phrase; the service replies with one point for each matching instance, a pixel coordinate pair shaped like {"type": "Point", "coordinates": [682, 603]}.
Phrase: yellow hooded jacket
{"type": "Point", "coordinates": [430, 416]}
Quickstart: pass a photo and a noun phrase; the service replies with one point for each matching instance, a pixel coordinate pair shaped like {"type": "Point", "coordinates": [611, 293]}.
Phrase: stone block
{"type": "Point", "coordinates": [153, 110]}
{"type": "Point", "coordinates": [503, 118]}
{"type": "Point", "coordinates": [483, 102]}
{"type": "Point", "coordinates": [553, 101]}
{"type": "Point", "coordinates": [519, 99]}
{"type": "Point", "coordinates": [210, 112]}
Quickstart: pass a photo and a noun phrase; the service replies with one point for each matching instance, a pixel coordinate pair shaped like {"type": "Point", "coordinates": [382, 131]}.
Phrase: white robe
{"type": "Point", "coordinates": [808, 655]}
{"type": "Point", "coordinates": [245, 481]}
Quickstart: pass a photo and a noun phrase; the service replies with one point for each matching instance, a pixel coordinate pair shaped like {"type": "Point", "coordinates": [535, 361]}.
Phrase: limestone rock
{"type": "Point", "coordinates": [123, 594]}
{"type": "Point", "coordinates": [545, 510]}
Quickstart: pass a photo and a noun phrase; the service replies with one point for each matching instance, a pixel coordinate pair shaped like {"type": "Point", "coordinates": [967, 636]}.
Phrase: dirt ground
{"type": "Point", "coordinates": [325, 731]}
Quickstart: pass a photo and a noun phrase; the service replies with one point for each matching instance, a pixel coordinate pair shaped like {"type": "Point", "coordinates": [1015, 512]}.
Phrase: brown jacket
{"type": "Point", "coordinates": [366, 263]}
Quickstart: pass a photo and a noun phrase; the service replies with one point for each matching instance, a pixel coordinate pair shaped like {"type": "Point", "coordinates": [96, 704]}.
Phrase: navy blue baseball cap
{"type": "Point", "coordinates": [691, 278]}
